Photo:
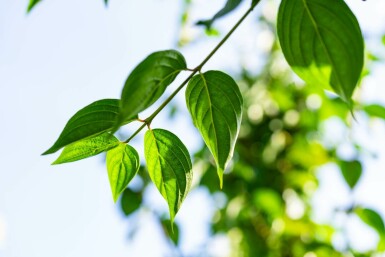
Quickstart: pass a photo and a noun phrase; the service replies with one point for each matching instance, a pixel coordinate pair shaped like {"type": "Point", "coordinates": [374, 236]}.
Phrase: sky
{"type": "Point", "coordinates": [67, 54]}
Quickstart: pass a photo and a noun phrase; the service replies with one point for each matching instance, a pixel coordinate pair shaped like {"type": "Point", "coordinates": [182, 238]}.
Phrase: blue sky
{"type": "Point", "coordinates": [67, 54]}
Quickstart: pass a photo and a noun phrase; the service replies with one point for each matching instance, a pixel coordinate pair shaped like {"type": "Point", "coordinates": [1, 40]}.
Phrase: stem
{"type": "Point", "coordinates": [193, 72]}
{"type": "Point", "coordinates": [224, 39]}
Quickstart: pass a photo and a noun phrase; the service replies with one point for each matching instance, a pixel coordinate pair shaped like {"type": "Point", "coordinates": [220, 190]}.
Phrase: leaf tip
{"type": "Point", "coordinates": [31, 5]}
{"type": "Point", "coordinates": [51, 150]}
{"type": "Point", "coordinates": [220, 175]}
{"type": "Point", "coordinates": [115, 196]}
{"type": "Point", "coordinates": [172, 221]}
{"type": "Point", "coordinates": [55, 163]}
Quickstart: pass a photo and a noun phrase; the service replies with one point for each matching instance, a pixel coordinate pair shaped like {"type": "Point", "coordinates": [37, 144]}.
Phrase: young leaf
{"type": "Point", "coordinates": [229, 7]}
{"type": "Point", "coordinates": [169, 166]}
{"type": "Point", "coordinates": [87, 147]}
{"type": "Point", "coordinates": [322, 42]}
{"type": "Point", "coordinates": [94, 119]}
{"type": "Point", "coordinates": [371, 218]}
{"type": "Point", "coordinates": [32, 4]}
{"type": "Point", "coordinates": [351, 171]}
{"type": "Point", "coordinates": [148, 81]}
{"type": "Point", "coordinates": [215, 104]}
{"type": "Point", "coordinates": [122, 165]}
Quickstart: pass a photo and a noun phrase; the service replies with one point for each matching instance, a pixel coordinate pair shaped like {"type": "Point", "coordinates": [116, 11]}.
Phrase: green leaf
{"type": "Point", "coordinates": [32, 4]}
{"type": "Point", "coordinates": [130, 201]}
{"type": "Point", "coordinates": [375, 110]}
{"type": "Point", "coordinates": [215, 104]}
{"type": "Point", "coordinates": [106, 2]}
{"type": "Point", "coordinates": [94, 119]}
{"type": "Point", "coordinates": [171, 230]}
{"type": "Point", "coordinates": [268, 201]}
{"type": "Point", "coordinates": [230, 6]}
{"type": "Point", "coordinates": [322, 42]}
{"type": "Point", "coordinates": [122, 165]}
{"type": "Point", "coordinates": [351, 171]}
{"type": "Point", "coordinates": [148, 81]}
{"type": "Point", "coordinates": [169, 166]}
{"type": "Point", "coordinates": [254, 2]}
{"type": "Point", "coordinates": [371, 218]}
{"type": "Point", "coordinates": [87, 147]}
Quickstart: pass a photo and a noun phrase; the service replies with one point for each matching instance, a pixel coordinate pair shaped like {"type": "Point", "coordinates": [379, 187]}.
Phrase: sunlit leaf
{"type": "Point", "coordinates": [229, 7]}
{"type": "Point", "coordinates": [322, 42]}
{"type": "Point", "coordinates": [130, 201]}
{"type": "Point", "coordinates": [32, 4]}
{"type": "Point", "coordinates": [351, 171]}
{"type": "Point", "coordinates": [94, 119]}
{"type": "Point", "coordinates": [375, 110]}
{"type": "Point", "coordinates": [215, 104]}
{"type": "Point", "coordinates": [122, 165]}
{"type": "Point", "coordinates": [148, 81]}
{"type": "Point", "coordinates": [169, 166]}
{"type": "Point", "coordinates": [87, 147]}
{"type": "Point", "coordinates": [371, 218]}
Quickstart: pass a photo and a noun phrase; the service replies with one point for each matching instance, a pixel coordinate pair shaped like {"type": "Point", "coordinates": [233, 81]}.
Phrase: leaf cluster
{"type": "Point", "coordinates": [273, 159]}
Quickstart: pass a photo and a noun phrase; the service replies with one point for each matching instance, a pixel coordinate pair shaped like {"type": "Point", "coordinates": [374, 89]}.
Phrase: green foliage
{"type": "Point", "coordinates": [169, 166]}
{"type": "Point", "coordinates": [230, 6]}
{"type": "Point", "coordinates": [215, 104]}
{"type": "Point", "coordinates": [122, 165]}
{"type": "Point", "coordinates": [94, 119]}
{"type": "Point", "coordinates": [87, 147]}
{"type": "Point", "coordinates": [351, 171]}
{"type": "Point", "coordinates": [279, 146]}
{"type": "Point", "coordinates": [148, 81]}
{"type": "Point", "coordinates": [322, 42]}
{"type": "Point", "coordinates": [372, 218]}
{"type": "Point", "coordinates": [171, 230]}
{"type": "Point", "coordinates": [32, 4]}
{"type": "Point", "coordinates": [130, 201]}
{"type": "Point", "coordinates": [375, 110]}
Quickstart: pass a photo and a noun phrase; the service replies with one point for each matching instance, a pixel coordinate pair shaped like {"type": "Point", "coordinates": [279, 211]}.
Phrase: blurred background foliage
{"type": "Point", "coordinates": [264, 208]}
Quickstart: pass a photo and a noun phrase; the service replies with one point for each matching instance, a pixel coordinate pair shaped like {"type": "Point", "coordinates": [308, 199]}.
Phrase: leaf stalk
{"type": "Point", "coordinates": [198, 68]}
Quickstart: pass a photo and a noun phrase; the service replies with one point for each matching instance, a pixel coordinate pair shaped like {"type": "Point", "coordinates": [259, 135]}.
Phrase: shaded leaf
{"type": "Point", "coordinates": [215, 104]}
{"type": "Point", "coordinates": [322, 42]}
{"type": "Point", "coordinates": [371, 218]}
{"type": "Point", "coordinates": [375, 110]}
{"type": "Point", "coordinates": [171, 230]}
{"type": "Point", "coordinates": [148, 81]}
{"type": "Point", "coordinates": [169, 166]}
{"type": "Point", "coordinates": [254, 2]}
{"type": "Point", "coordinates": [351, 171]}
{"type": "Point", "coordinates": [230, 6]}
{"type": "Point", "coordinates": [87, 147]}
{"type": "Point", "coordinates": [32, 4]}
{"type": "Point", "coordinates": [130, 201]}
{"type": "Point", "coordinates": [122, 165]}
{"type": "Point", "coordinates": [94, 119]}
